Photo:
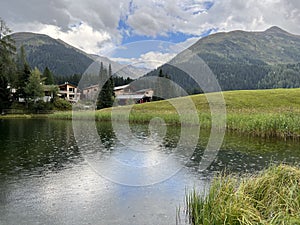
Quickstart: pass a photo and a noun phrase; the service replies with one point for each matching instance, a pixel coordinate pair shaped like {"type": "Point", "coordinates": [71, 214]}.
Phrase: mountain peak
{"type": "Point", "coordinates": [275, 29]}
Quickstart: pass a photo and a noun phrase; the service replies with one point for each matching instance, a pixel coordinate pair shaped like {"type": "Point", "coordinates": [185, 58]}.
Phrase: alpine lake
{"type": "Point", "coordinates": [48, 177]}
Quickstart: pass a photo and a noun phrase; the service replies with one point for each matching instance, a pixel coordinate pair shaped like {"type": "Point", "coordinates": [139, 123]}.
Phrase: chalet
{"type": "Point", "coordinates": [125, 89]}
{"type": "Point", "coordinates": [91, 92]}
{"type": "Point", "coordinates": [146, 92]}
{"type": "Point", "coordinates": [49, 92]}
{"type": "Point", "coordinates": [69, 92]}
{"type": "Point", "coordinates": [133, 97]}
{"type": "Point", "coordinates": [124, 94]}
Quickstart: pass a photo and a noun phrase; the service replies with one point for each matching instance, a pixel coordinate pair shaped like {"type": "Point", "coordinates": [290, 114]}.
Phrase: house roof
{"type": "Point", "coordinates": [67, 83]}
{"type": "Point", "coordinates": [144, 90]}
{"type": "Point", "coordinates": [121, 87]}
{"type": "Point", "coordinates": [130, 96]}
{"type": "Point", "coordinates": [91, 87]}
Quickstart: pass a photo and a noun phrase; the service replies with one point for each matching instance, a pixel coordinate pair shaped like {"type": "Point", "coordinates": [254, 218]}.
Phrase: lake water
{"type": "Point", "coordinates": [45, 178]}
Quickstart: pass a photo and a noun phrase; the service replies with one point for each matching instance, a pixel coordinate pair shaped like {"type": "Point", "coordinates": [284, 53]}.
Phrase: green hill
{"type": "Point", "coordinates": [61, 58]}
{"type": "Point", "coordinates": [65, 60]}
{"type": "Point", "coordinates": [245, 60]}
{"type": "Point", "coordinates": [273, 46]}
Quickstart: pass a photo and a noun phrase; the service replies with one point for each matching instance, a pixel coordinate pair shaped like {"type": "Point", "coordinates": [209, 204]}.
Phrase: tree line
{"type": "Point", "coordinates": [24, 87]}
{"type": "Point", "coordinates": [20, 85]}
{"type": "Point", "coordinates": [238, 75]}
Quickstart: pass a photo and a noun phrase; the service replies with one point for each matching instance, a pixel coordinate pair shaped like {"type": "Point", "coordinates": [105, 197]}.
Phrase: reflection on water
{"type": "Point", "coordinates": [44, 178]}
{"type": "Point", "coordinates": [34, 148]}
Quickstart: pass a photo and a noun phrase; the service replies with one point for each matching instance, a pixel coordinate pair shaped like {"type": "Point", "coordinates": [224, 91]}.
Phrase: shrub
{"type": "Point", "coordinates": [61, 104]}
{"type": "Point", "coordinates": [270, 197]}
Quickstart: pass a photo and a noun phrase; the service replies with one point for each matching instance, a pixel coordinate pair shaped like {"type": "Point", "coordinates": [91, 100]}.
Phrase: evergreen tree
{"type": "Point", "coordinates": [23, 79]}
{"type": "Point", "coordinates": [49, 80]}
{"type": "Point", "coordinates": [109, 70]}
{"type": "Point", "coordinates": [73, 79]}
{"type": "Point", "coordinates": [7, 64]}
{"type": "Point", "coordinates": [23, 74]}
{"type": "Point", "coordinates": [4, 93]}
{"type": "Point", "coordinates": [119, 81]}
{"type": "Point", "coordinates": [7, 52]}
{"type": "Point", "coordinates": [106, 95]}
{"type": "Point", "coordinates": [159, 87]}
{"type": "Point", "coordinates": [34, 88]}
{"type": "Point", "coordinates": [21, 59]}
{"type": "Point", "coordinates": [160, 73]}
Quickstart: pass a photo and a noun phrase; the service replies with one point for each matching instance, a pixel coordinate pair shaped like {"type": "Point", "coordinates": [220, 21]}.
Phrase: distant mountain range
{"type": "Point", "coordinates": [245, 60]}
{"type": "Point", "coordinates": [273, 46]}
{"type": "Point", "coordinates": [65, 60]}
{"type": "Point", "coordinates": [238, 59]}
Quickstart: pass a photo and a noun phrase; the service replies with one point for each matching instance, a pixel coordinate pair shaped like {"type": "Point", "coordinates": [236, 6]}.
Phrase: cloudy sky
{"type": "Point", "coordinates": [97, 26]}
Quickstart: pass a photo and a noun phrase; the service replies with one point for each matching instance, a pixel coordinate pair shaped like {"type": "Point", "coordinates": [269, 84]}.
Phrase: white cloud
{"type": "Point", "coordinates": [144, 17]}
{"type": "Point", "coordinates": [100, 19]}
{"type": "Point", "coordinates": [149, 60]}
{"type": "Point", "coordinates": [253, 15]}
{"type": "Point", "coordinates": [151, 19]}
{"type": "Point", "coordinates": [156, 59]}
{"type": "Point", "coordinates": [82, 36]}
{"type": "Point", "coordinates": [157, 53]}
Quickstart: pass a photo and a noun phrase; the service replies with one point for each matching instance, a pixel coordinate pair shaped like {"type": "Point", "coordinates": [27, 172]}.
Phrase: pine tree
{"type": "Point", "coordinates": [34, 88]}
{"type": "Point", "coordinates": [159, 88]}
{"type": "Point", "coordinates": [23, 75]}
{"type": "Point", "coordinates": [4, 93]}
{"type": "Point", "coordinates": [49, 80]}
{"type": "Point", "coordinates": [23, 79]}
{"type": "Point", "coordinates": [106, 95]}
{"type": "Point", "coordinates": [7, 64]}
{"type": "Point", "coordinates": [109, 70]}
{"type": "Point", "coordinates": [21, 59]}
{"type": "Point", "coordinates": [160, 73]}
{"type": "Point", "coordinates": [7, 52]}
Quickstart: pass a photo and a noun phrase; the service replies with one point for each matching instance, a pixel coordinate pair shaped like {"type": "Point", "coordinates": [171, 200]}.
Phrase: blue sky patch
{"type": "Point", "coordinates": [170, 37]}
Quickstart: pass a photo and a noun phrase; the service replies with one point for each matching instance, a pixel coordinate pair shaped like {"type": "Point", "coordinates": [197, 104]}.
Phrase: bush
{"type": "Point", "coordinates": [18, 105]}
{"type": "Point", "coordinates": [61, 104]}
{"type": "Point", "coordinates": [41, 106]}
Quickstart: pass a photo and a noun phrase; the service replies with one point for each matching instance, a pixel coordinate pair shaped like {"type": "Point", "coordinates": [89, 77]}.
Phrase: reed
{"type": "Point", "coordinates": [269, 197]}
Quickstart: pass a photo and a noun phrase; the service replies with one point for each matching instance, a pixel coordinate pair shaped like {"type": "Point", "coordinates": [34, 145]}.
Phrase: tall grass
{"type": "Point", "coordinates": [263, 113]}
{"type": "Point", "coordinates": [270, 197]}
{"type": "Point", "coordinates": [284, 125]}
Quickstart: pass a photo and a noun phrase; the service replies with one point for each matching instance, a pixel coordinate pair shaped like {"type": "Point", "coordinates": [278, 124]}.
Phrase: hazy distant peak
{"type": "Point", "coordinates": [275, 29]}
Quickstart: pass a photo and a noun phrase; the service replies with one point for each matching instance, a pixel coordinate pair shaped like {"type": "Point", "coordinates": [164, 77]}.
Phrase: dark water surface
{"type": "Point", "coordinates": [45, 178]}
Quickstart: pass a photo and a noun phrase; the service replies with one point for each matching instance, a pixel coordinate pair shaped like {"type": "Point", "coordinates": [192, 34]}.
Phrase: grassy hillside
{"type": "Point", "coordinates": [243, 60]}
{"type": "Point", "coordinates": [264, 113]}
{"type": "Point", "coordinates": [273, 46]}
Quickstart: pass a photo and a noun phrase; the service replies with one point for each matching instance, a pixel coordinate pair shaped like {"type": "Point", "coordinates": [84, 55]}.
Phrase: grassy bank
{"type": "Point", "coordinates": [24, 116]}
{"type": "Point", "coordinates": [270, 197]}
{"type": "Point", "coordinates": [264, 113]}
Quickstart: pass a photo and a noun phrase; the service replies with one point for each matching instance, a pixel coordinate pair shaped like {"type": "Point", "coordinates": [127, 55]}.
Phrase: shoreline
{"type": "Point", "coordinates": [273, 113]}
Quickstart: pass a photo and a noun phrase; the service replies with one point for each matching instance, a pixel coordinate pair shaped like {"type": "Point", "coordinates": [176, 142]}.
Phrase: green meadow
{"type": "Point", "coordinates": [263, 113]}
